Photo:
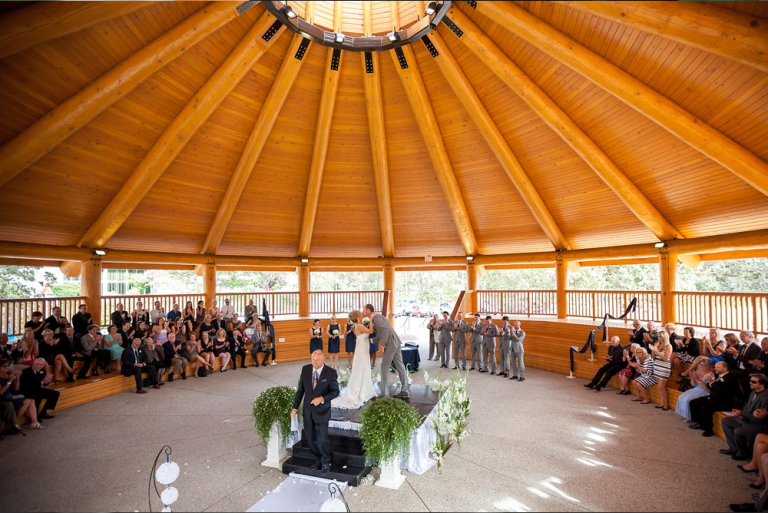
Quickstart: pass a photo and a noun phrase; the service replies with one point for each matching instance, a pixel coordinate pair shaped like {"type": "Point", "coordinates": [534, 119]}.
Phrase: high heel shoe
{"type": "Point", "coordinates": [747, 471]}
{"type": "Point", "coordinates": [756, 486]}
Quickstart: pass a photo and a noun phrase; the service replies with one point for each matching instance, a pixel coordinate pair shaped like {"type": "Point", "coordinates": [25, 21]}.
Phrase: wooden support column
{"type": "Point", "coordinates": [389, 284]}
{"type": "Point", "coordinates": [90, 288]}
{"type": "Point", "coordinates": [668, 269]}
{"type": "Point", "coordinates": [473, 280]}
{"type": "Point", "coordinates": [562, 287]}
{"type": "Point", "coordinates": [304, 290]}
{"type": "Point", "coordinates": [209, 283]}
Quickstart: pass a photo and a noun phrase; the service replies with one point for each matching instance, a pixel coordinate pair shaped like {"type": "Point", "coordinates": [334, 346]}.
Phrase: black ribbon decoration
{"type": "Point", "coordinates": [590, 345]}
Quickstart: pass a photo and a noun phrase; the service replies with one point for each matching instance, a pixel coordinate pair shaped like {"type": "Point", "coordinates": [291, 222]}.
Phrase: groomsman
{"type": "Point", "coordinates": [446, 341]}
{"type": "Point", "coordinates": [460, 342]}
{"type": "Point", "coordinates": [433, 336]}
{"type": "Point", "coordinates": [490, 332]}
{"type": "Point", "coordinates": [505, 334]}
{"type": "Point", "coordinates": [518, 353]}
{"type": "Point", "coordinates": [476, 344]}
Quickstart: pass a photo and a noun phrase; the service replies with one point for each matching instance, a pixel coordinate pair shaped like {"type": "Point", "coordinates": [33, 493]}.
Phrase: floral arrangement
{"type": "Point", "coordinates": [316, 332]}
{"type": "Point", "coordinates": [367, 322]}
{"type": "Point", "coordinates": [376, 375]}
{"type": "Point", "coordinates": [387, 428]}
{"type": "Point", "coordinates": [435, 384]}
{"type": "Point", "coordinates": [335, 333]}
{"type": "Point", "coordinates": [273, 405]}
{"type": "Point", "coordinates": [451, 417]}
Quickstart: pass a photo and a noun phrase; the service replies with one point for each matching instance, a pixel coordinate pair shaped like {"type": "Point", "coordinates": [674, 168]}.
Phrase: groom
{"type": "Point", "coordinates": [318, 386]}
{"type": "Point", "coordinates": [391, 343]}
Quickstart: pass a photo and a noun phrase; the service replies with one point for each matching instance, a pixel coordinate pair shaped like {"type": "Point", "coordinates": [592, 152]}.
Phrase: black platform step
{"type": "Point", "coordinates": [340, 454]}
{"type": "Point", "coordinates": [351, 475]}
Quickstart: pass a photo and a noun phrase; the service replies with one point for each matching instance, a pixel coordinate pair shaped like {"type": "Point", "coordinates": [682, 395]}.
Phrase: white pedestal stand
{"type": "Point", "coordinates": [390, 474]}
{"type": "Point", "coordinates": [275, 450]}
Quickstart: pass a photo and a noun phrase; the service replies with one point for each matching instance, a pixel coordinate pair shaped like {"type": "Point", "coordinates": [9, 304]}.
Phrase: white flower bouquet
{"type": "Point", "coordinates": [335, 333]}
{"type": "Point", "coordinates": [367, 322]}
{"type": "Point", "coordinates": [316, 332]}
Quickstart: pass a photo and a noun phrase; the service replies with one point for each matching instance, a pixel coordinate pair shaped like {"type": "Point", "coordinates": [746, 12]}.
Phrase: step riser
{"type": "Point", "coordinates": [336, 457]}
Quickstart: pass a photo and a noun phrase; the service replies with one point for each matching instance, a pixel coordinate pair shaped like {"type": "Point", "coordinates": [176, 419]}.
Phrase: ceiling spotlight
{"type": "Point", "coordinates": [290, 12]}
{"type": "Point", "coordinates": [339, 37]}
{"type": "Point", "coordinates": [470, 258]}
{"type": "Point", "coordinates": [394, 35]}
{"type": "Point", "coordinates": [99, 252]}
{"type": "Point", "coordinates": [305, 260]}
{"type": "Point", "coordinates": [431, 8]}
{"type": "Point", "coordinates": [660, 245]}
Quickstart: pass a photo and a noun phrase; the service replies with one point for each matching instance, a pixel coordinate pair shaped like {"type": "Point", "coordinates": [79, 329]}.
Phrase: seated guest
{"type": "Point", "coordinates": [174, 314]}
{"type": "Point", "coordinates": [762, 361]}
{"type": "Point", "coordinates": [120, 316]}
{"type": "Point", "coordinates": [113, 342]}
{"type": "Point", "coordinates": [213, 311]}
{"type": "Point", "coordinates": [81, 321]}
{"type": "Point", "coordinates": [700, 378]}
{"type": "Point", "coordinates": [732, 349]}
{"type": "Point", "coordinates": [9, 420]}
{"type": "Point", "coordinates": [133, 365]}
{"type": "Point", "coordinates": [155, 358]}
{"type": "Point", "coordinates": [207, 325]}
{"type": "Point", "coordinates": [723, 396]}
{"type": "Point", "coordinates": [228, 311]}
{"type": "Point", "coordinates": [173, 359]}
{"type": "Point", "coordinates": [35, 325]}
{"type": "Point", "coordinates": [645, 377]}
{"type": "Point", "coordinates": [253, 321]}
{"type": "Point", "coordinates": [160, 331]}
{"type": "Point", "coordinates": [761, 449]}
{"type": "Point", "coordinates": [90, 345]}
{"type": "Point", "coordinates": [56, 323]}
{"type": "Point", "coordinates": [237, 347]}
{"type": "Point", "coordinates": [9, 386]}
{"type": "Point", "coordinates": [221, 349]}
{"type": "Point", "coordinates": [750, 351]}
{"type": "Point", "coordinates": [26, 352]}
{"type": "Point", "coordinates": [5, 350]}
{"type": "Point", "coordinates": [141, 330]}
{"type": "Point", "coordinates": [139, 315]}
{"type": "Point", "coordinates": [671, 331]}
{"type": "Point", "coordinates": [53, 357]}
{"type": "Point", "coordinates": [250, 309]}
{"type": "Point", "coordinates": [70, 347]}
{"type": "Point", "coordinates": [651, 335]}
{"type": "Point", "coordinates": [628, 373]}
{"type": "Point", "coordinates": [662, 366]}
{"type": "Point", "coordinates": [182, 330]}
{"type": "Point", "coordinates": [191, 353]}
{"type": "Point", "coordinates": [615, 364]}
{"type": "Point", "coordinates": [712, 348]}
{"type": "Point", "coordinates": [686, 350]}
{"type": "Point", "coordinates": [637, 335]}
{"type": "Point", "coordinates": [32, 383]}
{"type": "Point", "coordinates": [127, 333]}
{"type": "Point", "coordinates": [743, 427]}
{"type": "Point", "coordinates": [205, 349]}
{"type": "Point", "coordinates": [200, 313]}
{"type": "Point", "coordinates": [217, 324]}
{"type": "Point", "coordinates": [156, 313]}
{"type": "Point", "coordinates": [261, 344]}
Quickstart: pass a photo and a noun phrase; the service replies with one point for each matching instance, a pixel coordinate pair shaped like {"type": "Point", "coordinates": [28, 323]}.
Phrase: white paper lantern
{"type": "Point", "coordinates": [333, 506]}
{"type": "Point", "coordinates": [169, 495]}
{"type": "Point", "coordinates": [167, 473]}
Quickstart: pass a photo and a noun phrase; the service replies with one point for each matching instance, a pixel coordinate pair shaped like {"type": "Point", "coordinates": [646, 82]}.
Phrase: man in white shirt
{"type": "Point", "coordinates": [227, 311]}
{"type": "Point", "coordinates": [158, 312]}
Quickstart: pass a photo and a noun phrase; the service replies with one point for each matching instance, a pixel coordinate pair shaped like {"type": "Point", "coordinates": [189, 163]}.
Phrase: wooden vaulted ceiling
{"type": "Point", "coordinates": [231, 146]}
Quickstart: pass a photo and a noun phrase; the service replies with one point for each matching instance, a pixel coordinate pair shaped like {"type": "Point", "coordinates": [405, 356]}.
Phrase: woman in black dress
{"type": "Point", "coordinates": [205, 348]}
{"type": "Point", "coordinates": [334, 342]}
{"type": "Point", "coordinates": [316, 337]}
{"type": "Point", "coordinates": [350, 341]}
{"type": "Point", "coordinates": [189, 316]}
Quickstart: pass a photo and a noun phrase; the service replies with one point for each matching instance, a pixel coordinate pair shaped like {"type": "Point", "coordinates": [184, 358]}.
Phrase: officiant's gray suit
{"type": "Point", "coordinates": [390, 343]}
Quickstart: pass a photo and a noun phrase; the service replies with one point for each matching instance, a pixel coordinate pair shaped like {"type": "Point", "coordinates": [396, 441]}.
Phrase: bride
{"type": "Point", "coordinates": [360, 388]}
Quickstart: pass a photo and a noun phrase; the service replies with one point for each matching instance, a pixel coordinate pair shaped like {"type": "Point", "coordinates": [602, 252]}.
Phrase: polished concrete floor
{"type": "Point", "coordinates": [546, 444]}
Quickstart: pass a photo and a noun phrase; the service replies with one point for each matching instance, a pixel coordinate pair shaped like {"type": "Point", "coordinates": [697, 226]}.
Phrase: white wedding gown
{"type": "Point", "coordinates": [360, 388]}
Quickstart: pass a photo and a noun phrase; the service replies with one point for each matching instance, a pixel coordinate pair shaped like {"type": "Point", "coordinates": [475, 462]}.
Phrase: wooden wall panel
{"type": "Point", "coordinates": [502, 221]}
{"type": "Point", "coordinates": [587, 211]}
{"type": "Point", "coordinates": [268, 217]}
{"type": "Point", "coordinates": [347, 212]}
{"type": "Point", "coordinates": [422, 223]}
{"type": "Point", "coordinates": [34, 81]}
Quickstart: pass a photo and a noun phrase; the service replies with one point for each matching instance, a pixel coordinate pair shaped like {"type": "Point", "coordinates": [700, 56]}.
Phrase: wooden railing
{"type": "Point", "coordinates": [14, 313]}
{"type": "Point", "coordinates": [517, 302]}
{"type": "Point", "coordinates": [278, 303]}
{"type": "Point", "coordinates": [726, 311]}
{"type": "Point", "coordinates": [594, 304]}
{"type": "Point", "coordinates": [333, 303]}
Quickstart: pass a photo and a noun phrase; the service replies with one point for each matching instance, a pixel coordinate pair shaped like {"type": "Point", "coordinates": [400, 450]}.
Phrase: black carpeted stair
{"type": "Point", "coordinates": [348, 462]}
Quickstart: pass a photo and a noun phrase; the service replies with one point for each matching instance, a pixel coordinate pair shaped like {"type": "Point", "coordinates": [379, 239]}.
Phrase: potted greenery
{"type": "Point", "coordinates": [387, 427]}
{"type": "Point", "coordinates": [272, 420]}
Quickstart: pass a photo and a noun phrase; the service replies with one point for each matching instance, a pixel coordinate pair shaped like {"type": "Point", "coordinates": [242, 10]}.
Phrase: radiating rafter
{"type": "Point", "coordinates": [197, 111]}
{"type": "Point", "coordinates": [493, 136]}
{"type": "Point", "coordinates": [724, 32]}
{"type": "Point", "coordinates": [376, 129]}
{"type": "Point", "coordinates": [319, 154]}
{"type": "Point", "coordinates": [433, 140]}
{"type": "Point", "coordinates": [73, 114]}
{"type": "Point", "coordinates": [39, 22]}
{"type": "Point", "coordinates": [655, 106]}
{"type": "Point", "coordinates": [496, 60]}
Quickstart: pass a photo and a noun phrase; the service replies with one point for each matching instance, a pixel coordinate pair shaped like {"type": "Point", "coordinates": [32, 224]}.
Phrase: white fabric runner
{"type": "Point", "coordinates": [297, 493]}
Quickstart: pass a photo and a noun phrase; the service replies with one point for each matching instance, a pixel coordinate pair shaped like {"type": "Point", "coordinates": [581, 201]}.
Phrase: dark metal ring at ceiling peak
{"type": "Point", "coordinates": [424, 26]}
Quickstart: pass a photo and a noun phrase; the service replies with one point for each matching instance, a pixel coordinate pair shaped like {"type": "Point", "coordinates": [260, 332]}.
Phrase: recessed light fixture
{"type": "Point", "coordinates": [470, 258]}
{"type": "Point", "coordinates": [431, 7]}
{"type": "Point", "coordinates": [340, 37]}
{"type": "Point", "coordinates": [305, 260]}
{"type": "Point", "coordinates": [290, 12]}
{"type": "Point", "coordinates": [660, 245]}
{"type": "Point", "coordinates": [99, 252]}
{"type": "Point", "coordinates": [394, 35]}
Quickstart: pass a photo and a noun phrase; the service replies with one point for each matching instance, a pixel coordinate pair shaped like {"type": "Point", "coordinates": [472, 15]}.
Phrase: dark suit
{"type": "Point", "coordinates": [615, 365]}
{"type": "Point", "coordinates": [30, 385]}
{"type": "Point", "coordinates": [261, 345]}
{"type": "Point", "coordinates": [740, 432]}
{"type": "Point", "coordinates": [724, 394]}
{"type": "Point", "coordinates": [317, 418]}
{"type": "Point", "coordinates": [129, 359]}
{"type": "Point", "coordinates": [746, 354]}
{"type": "Point", "coordinates": [237, 347]}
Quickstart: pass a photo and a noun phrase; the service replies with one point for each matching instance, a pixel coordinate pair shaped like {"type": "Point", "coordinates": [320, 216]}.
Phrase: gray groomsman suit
{"type": "Point", "coordinates": [460, 342]}
{"type": "Point", "coordinates": [390, 343]}
{"type": "Point", "coordinates": [446, 341]}
{"type": "Point", "coordinates": [505, 333]}
{"type": "Point", "coordinates": [518, 353]}
{"type": "Point", "coordinates": [490, 332]}
{"type": "Point", "coordinates": [476, 344]}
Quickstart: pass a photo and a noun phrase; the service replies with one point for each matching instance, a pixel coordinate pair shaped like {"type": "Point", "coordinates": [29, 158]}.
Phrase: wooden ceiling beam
{"type": "Point", "coordinates": [724, 32]}
{"type": "Point", "coordinates": [70, 268]}
{"type": "Point", "coordinates": [73, 114]}
{"type": "Point", "coordinates": [197, 111]}
{"type": "Point", "coordinates": [634, 93]}
{"type": "Point", "coordinates": [433, 140]}
{"type": "Point", "coordinates": [37, 23]}
{"type": "Point", "coordinates": [375, 108]}
{"type": "Point", "coordinates": [281, 88]}
{"type": "Point", "coordinates": [496, 141]}
{"type": "Point", "coordinates": [24, 262]}
{"type": "Point", "coordinates": [497, 61]}
{"type": "Point", "coordinates": [319, 153]}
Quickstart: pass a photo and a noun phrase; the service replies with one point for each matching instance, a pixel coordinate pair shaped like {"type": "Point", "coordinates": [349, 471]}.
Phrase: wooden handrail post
{"type": "Point", "coordinates": [562, 288]}
{"type": "Point", "coordinates": [209, 283]}
{"type": "Point", "coordinates": [90, 288]}
{"type": "Point", "coordinates": [668, 269]}
{"type": "Point", "coordinates": [304, 290]}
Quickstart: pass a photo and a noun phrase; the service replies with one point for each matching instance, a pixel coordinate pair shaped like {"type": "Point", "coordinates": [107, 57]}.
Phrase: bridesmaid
{"type": "Point", "coordinates": [316, 337]}
{"type": "Point", "coordinates": [334, 342]}
{"type": "Point", "coordinates": [374, 341]}
{"type": "Point", "coordinates": [350, 341]}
